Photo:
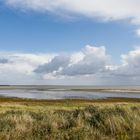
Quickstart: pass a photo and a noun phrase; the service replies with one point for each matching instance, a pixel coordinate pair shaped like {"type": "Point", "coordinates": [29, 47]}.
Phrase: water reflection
{"type": "Point", "coordinates": [60, 94]}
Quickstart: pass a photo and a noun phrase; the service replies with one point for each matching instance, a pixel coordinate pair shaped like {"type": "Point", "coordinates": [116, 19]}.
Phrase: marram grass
{"type": "Point", "coordinates": [87, 121]}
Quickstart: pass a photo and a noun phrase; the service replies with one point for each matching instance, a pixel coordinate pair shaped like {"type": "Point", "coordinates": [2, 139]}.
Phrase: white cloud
{"type": "Point", "coordinates": [138, 32]}
{"type": "Point", "coordinates": [89, 61]}
{"type": "Point", "coordinates": [91, 65]}
{"type": "Point", "coordinates": [3, 61]}
{"type": "Point", "coordinates": [94, 61]}
{"type": "Point", "coordinates": [104, 9]}
{"type": "Point", "coordinates": [130, 64]}
{"type": "Point", "coordinates": [18, 67]}
{"type": "Point", "coordinates": [95, 65]}
{"type": "Point", "coordinates": [55, 64]}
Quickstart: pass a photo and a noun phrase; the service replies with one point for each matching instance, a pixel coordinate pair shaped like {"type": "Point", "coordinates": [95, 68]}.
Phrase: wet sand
{"type": "Point", "coordinates": [70, 92]}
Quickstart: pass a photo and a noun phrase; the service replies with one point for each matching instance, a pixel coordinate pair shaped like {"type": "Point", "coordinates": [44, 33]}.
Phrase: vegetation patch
{"type": "Point", "coordinates": [85, 121]}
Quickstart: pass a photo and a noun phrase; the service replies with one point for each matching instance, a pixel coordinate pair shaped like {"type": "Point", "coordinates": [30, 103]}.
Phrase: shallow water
{"type": "Point", "coordinates": [63, 94]}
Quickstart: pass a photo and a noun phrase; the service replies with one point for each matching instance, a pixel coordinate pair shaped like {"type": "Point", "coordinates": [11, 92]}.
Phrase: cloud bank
{"type": "Point", "coordinates": [16, 68]}
{"type": "Point", "coordinates": [105, 10]}
{"type": "Point", "coordinates": [90, 64]}
{"type": "Point", "coordinates": [109, 9]}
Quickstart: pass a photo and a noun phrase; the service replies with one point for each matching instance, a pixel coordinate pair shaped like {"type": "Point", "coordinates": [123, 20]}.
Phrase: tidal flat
{"type": "Point", "coordinates": [70, 92]}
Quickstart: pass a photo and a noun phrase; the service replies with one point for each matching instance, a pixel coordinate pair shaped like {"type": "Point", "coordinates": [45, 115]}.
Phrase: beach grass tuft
{"type": "Point", "coordinates": [24, 120]}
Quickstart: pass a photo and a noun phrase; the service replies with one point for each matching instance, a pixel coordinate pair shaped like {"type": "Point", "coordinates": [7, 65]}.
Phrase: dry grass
{"type": "Point", "coordinates": [69, 120]}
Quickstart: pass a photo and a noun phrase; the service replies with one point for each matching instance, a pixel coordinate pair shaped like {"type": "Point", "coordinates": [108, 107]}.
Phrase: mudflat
{"type": "Point", "coordinates": [84, 88]}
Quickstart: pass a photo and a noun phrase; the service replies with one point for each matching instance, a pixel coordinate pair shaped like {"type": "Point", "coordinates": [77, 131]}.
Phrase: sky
{"type": "Point", "coordinates": [73, 42]}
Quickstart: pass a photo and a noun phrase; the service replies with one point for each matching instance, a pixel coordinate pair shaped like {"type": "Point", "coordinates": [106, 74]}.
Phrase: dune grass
{"type": "Point", "coordinates": [69, 120]}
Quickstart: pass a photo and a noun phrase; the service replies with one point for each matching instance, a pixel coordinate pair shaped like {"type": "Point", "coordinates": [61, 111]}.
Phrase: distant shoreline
{"type": "Point", "coordinates": [101, 89]}
{"type": "Point", "coordinates": [108, 100]}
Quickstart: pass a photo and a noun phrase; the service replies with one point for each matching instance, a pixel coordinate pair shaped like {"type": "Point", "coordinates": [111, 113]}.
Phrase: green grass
{"type": "Point", "coordinates": [113, 119]}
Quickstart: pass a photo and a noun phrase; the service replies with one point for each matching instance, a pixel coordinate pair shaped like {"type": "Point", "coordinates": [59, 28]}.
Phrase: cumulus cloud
{"type": "Point", "coordinates": [55, 64]}
{"type": "Point", "coordinates": [89, 61]}
{"type": "Point", "coordinates": [91, 64]}
{"type": "Point", "coordinates": [130, 64]}
{"type": "Point", "coordinates": [3, 61]}
{"type": "Point", "coordinates": [94, 61]}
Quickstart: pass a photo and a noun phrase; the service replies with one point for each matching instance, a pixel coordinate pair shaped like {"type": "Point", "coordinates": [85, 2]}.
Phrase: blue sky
{"type": "Point", "coordinates": [28, 28]}
{"type": "Point", "coordinates": [38, 32]}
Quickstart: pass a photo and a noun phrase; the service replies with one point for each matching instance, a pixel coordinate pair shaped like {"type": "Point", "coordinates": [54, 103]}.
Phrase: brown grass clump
{"type": "Point", "coordinates": [93, 122]}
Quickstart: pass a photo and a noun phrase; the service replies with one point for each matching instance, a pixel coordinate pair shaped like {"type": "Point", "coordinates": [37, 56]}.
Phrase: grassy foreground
{"type": "Point", "coordinates": [114, 119]}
